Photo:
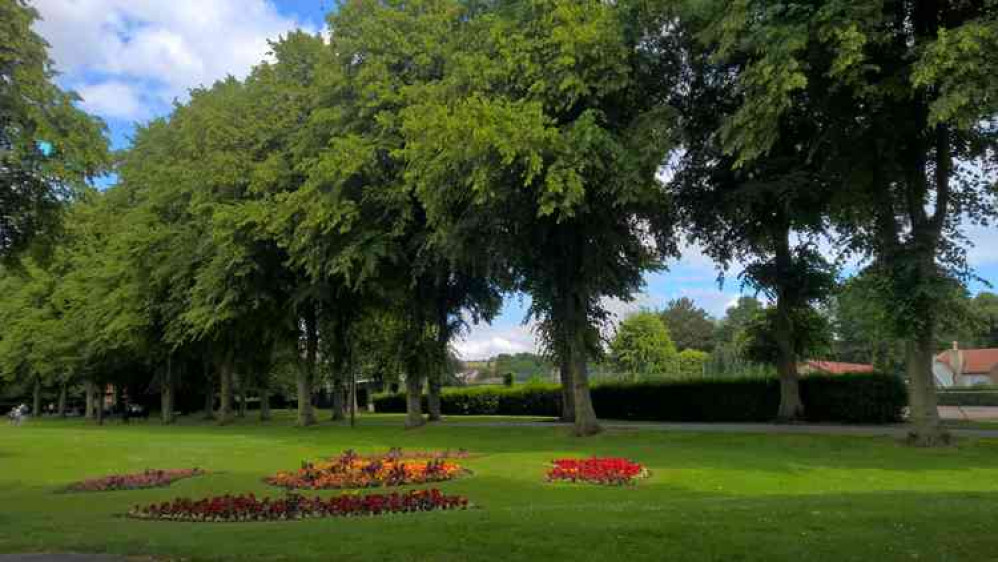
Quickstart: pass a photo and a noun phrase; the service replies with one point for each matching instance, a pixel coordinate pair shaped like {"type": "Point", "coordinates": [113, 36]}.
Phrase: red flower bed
{"type": "Point", "coordinates": [249, 508]}
{"type": "Point", "coordinates": [351, 470]}
{"type": "Point", "coordinates": [147, 479]}
{"type": "Point", "coordinates": [610, 471]}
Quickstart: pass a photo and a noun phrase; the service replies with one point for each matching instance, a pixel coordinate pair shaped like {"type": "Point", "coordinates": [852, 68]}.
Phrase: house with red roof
{"type": "Point", "coordinates": [833, 368]}
{"type": "Point", "coordinates": [966, 367]}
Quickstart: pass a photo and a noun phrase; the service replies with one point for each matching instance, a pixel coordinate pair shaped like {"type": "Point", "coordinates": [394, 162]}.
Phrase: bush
{"type": "Point", "coordinates": [827, 398]}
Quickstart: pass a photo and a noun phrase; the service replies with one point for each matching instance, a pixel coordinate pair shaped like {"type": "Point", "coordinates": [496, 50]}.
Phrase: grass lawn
{"type": "Point", "coordinates": [710, 497]}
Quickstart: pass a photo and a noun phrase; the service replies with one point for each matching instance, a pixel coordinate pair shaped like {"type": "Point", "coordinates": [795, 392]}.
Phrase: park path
{"type": "Point", "coordinates": [61, 558]}
{"type": "Point", "coordinates": [768, 428]}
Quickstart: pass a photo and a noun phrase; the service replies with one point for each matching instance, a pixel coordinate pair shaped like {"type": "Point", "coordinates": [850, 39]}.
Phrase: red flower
{"type": "Point", "coordinates": [611, 471]}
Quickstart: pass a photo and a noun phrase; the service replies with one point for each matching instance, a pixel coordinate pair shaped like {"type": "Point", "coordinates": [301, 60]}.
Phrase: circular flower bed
{"type": "Point", "coordinates": [351, 470]}
{"type": "Point", "coordinates": [135, 481]}
{"type": "Point", "coordinates": [596, 470]}
{"type": "Point", "coordinates": [293, 507]}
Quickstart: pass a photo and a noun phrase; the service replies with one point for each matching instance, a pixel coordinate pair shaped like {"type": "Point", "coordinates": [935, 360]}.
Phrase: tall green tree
{"type": "Point", "coordinates": [541, 139]}
{"type": "Point", "coordinates": [903, 104]}
{"type": "Point", "coordinates": [689, 325]}
{"type": "Point", "coordinates": [49, 149]}
{"type": "Point", "coordinates": [642, 346]}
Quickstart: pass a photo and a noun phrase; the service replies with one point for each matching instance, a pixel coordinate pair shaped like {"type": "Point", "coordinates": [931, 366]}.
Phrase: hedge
{"type": "Point", "coordinates": [832, 398]}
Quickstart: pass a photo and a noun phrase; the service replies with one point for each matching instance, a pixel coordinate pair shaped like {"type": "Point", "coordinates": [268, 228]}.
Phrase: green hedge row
{"type": "Point", "coordinates": [839, 398]}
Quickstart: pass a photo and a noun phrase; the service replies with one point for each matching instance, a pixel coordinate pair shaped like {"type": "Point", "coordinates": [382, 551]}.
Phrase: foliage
{"type": "Point", "coordinates": [812, 335]}
{"type": "Point", "coordinates": [49, 149]}
{"type": "Point", "coordinates": [610, 471]}
{"type": "Point", "coordinates": [689, 325]}
{"type": "Point", "coordinates": [692, 362]}
{"type": "Point", "coordinates": [827, 398]}
{"type": "Point", "coordinates": [218, 509]}
{"type": "Point", "coordinates": [642, 345]}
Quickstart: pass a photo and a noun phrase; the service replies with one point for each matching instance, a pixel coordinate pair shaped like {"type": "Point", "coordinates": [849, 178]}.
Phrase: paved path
{"type": "Point", "coordinates": [60, 558]}
{"type": "Point", "coordinates": [969, 413]}
{"type": "Point", "coordinates": [769, 428]}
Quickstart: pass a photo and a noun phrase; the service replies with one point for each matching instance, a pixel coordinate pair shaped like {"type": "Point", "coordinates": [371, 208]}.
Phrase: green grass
{"type": "Point", "coordinates": [710, 496]}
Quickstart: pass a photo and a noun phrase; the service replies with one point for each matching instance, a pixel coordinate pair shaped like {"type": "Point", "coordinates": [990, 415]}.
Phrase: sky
{"type": "Point", "coordinates": [130, 60]}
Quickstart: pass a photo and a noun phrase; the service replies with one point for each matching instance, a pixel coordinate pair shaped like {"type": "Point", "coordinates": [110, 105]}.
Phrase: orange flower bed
{"type": "Point", "coordinates": [351, 470]}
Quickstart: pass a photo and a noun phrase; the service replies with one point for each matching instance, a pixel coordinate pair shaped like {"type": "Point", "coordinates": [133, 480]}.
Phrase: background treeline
{"type": "Point", "coordinates": [347, 209]}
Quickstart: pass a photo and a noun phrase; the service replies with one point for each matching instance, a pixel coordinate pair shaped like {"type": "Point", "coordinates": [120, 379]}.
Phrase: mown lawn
{"type": "Point", "coordinates": [710, 497]}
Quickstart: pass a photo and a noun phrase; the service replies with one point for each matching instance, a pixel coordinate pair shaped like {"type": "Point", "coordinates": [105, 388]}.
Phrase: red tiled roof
{"type": "Point", "coordinates": [975, 361]}
{"type": "Point", "coordinates": [838, 367]}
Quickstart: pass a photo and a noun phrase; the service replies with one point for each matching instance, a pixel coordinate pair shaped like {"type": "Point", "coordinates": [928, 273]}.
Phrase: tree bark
{"type": "Point", "coordinates": [585, 415]}
{"type": "Point", "coordinates": [62, 399]}
{"type": "Point", "coordinates": [89, 391]}
{"type": "Point", "coordinates": [414, 396]}
{"type": "Point", "coordinates": [338, 398]}
{"type": "Point", "coordinates": [240, 387]}
{"type": "Point", "coordinates": [433, 396]}
{"type": "Point", "coordinates": [166, 393]}
{"type": "Point", "coordinates": [209, 394]}
{"type": "Point", "coordinates": [926, 430]}
{"type": "Point", "coordinates": [306, 375]}
{"type": "Point", "coordinates": [36, 398]}
{"type": "Point", "coordinates": [791, 407]}
{"type": "Point", "coordinates": [567, 391]}
{"type": "Point", "coordinates": [265, 402]}
{"type": "Point", "coordinates": [224, 416]}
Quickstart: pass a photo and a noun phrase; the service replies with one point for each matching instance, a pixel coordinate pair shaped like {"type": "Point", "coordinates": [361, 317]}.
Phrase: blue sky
{"type": "Point", "coordinates": [129, 59]}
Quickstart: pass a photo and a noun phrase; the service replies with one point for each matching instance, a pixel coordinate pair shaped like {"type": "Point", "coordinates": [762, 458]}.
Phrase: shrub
{"type": "Point", "coordinates": [827, 398]}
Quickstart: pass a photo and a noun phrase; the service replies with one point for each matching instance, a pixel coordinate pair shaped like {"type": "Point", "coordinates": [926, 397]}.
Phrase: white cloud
{"type": "Point", "coordinates": [486, 341]}
{"type": "Point", "coordinates": [163, 48]}
{"type": "Point", "coordinates": [113, 99]}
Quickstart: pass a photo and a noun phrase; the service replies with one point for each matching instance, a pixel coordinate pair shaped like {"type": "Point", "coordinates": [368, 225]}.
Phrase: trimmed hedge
{"type": "Point", "coordinates": [831, 398]}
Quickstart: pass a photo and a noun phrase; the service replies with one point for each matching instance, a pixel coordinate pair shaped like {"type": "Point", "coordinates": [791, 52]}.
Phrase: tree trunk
{"type": "Point", "coordinates": [209, 394]}
{"type": "Point", "coordinates": [567, 391]}
{"type": "Point", "coordinates": [99, 403]}
{"type": "Point", "coordinates": [338, 395]}
{"type": "Point", "coordinates": [306, 375]}
{"type": "Point", "coordinates": [791, 407]}
{"type": "Point", "coordinates": [433, 395]}
{"type": "Point", "coordinates": [926, 430]}
{"type": "Point", "coordinates": [413, 396]}
{"type": "Point", "coordinates": [36, 399]}
{"type": "Point", "coordinates": [265, 402]}
{"type": "Point", "coordinates": [585, 415]}
{"type": "Point", "coordinates": [225, 390]}
{"type": "Point", "coordinates": [62, 399]}
{"type": "Point", "coordinates": [89, 391]}
{"type": "Point", "coordinates": [240, 395]}
{"type": "Point", "coordinates": [166, 393]}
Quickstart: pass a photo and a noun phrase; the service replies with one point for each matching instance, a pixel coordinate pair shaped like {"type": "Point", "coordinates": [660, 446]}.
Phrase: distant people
{"type": "Point", "coordinates": [17, 414]}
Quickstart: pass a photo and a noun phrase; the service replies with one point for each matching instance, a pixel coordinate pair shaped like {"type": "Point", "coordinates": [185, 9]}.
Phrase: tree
{"type": "Point", "coordinates": [812, 335]}
{"type": "Point", "coordinates": [693, 362]}
{"type": "Point", "coordinates": [689, 325]}
{"type": "Point", "coordinates": [49, 148]}
{"type": "Point", "coordinates": [642, 346]}
{"type": "Point", "coordinates": [539, 139]}
{"type": "Point", "coordinates": [902, 107]}
{"type": "Point", "coordinates": [986, 305]}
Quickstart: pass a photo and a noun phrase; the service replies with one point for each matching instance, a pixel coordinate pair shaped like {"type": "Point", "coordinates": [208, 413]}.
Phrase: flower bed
{"type": "Point", "coordinates": [596, 470]}
{"type": "Point", "coordinates": [293, 507]}
{"type": "Point", "coordinates": [135, 481]}
{"type": "Point", "coordinates": [351, 470]}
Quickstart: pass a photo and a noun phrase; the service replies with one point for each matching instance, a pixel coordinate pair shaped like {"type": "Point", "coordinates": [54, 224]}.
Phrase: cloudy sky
{"type": "Point", "coordinates": [130, 59]}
